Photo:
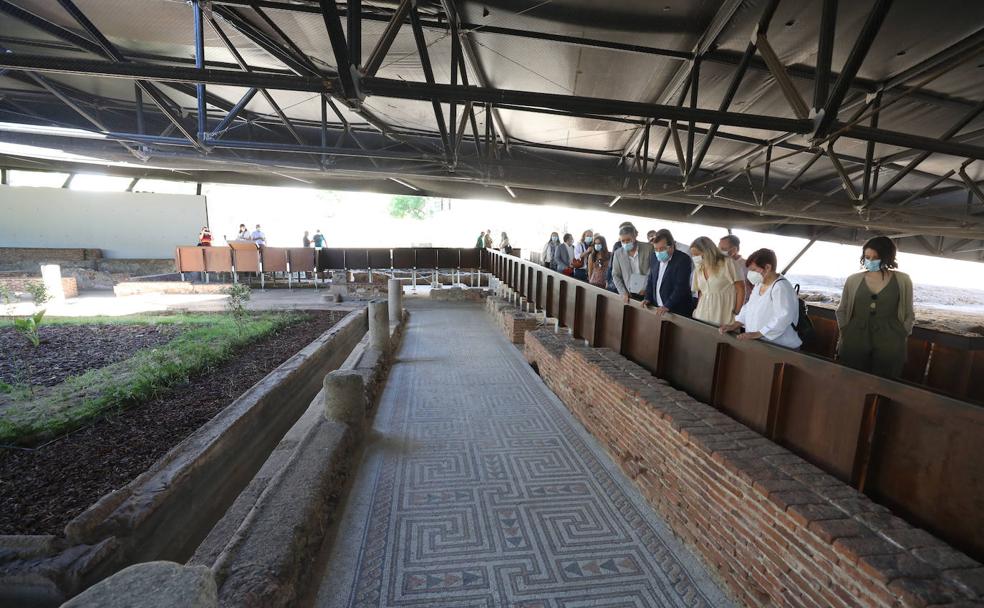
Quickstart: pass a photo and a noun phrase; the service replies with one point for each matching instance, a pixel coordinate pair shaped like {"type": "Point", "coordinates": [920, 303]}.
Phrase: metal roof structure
{"type": "Point", "coordinates": [821, 119]}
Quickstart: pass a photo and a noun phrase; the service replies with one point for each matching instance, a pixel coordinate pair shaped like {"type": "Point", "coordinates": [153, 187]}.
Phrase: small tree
{"type": "Point", "coordinates": [414, 207]}
{"type": "Point", "coordinates": [30, 328]}
{"type": "Point", "coordinates": [39, 294]}
{"type": "Point", "coordinates": [238, 297]}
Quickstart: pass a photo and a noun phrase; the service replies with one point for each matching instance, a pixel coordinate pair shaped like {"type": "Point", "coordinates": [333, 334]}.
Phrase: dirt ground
{"type": "Point", "coordinates": [42, 489]}
{"type": "Point", "coordinates": [71, 350]}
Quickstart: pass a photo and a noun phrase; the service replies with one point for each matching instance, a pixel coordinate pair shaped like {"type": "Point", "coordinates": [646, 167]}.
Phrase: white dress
{"type": "Point", "coordinates": [717, 294]}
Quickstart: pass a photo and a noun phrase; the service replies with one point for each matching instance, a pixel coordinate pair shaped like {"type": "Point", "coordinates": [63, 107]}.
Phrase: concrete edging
{"type": "Point", "coordinates": [165, 512]}
{"type": "Point", "coordinates": [263, 549]}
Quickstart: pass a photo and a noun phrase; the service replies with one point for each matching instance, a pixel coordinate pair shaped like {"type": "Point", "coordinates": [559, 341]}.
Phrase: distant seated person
{"type": "Point", "coordinates": [243, 233]}
{"type": "Point", "coordinates": [306, 240]}
{"type": "Point", "coordinates": [319, 239]}
{"type": "Point", "coordinates": [205, 237]}
{"type": "Point", "coordinates": [668, 286]}
{"type": "Point", "coordinates": [258, 237]}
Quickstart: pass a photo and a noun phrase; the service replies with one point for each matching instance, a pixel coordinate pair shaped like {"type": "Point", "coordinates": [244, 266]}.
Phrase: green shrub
{"type": "Point", "coordinates": [39, 293]}
{"type": "Point", "coordinates": [239, 295]}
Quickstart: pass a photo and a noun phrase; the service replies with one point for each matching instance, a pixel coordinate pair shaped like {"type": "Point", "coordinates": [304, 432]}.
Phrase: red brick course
{"type": "Point", "coordinates": [513, 322]}
{"type": "Point", "coordinates": [19, 284]}
{"type": "Point", "coordinates": [776, 529]}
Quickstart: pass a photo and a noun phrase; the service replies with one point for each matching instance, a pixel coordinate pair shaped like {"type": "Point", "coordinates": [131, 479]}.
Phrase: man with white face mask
{"type": "Point", "coordinates": [630, 264]}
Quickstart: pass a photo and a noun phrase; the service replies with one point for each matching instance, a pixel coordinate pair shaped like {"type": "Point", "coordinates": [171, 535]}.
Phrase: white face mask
{"type": "Point", "coordinates": [755, 277]}
{"type": "Point", "coordinates": [698, 259]}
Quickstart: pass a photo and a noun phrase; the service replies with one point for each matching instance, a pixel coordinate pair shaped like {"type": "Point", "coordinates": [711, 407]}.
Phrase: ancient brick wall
{"type": "Point", "coordinates": [19, 284]}
{"type": "Point", "coordinates": [10, 255]}
{"type": "Point", "coordinates": [777, 530]}
{"type": "Point", "coordinates": [513, 322]}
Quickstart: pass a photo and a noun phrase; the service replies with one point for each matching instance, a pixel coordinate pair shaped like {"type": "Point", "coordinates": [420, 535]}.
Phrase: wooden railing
{"type": "Point", "coordinates": [299, 259]}
{"type": "Point", "coordinates": [911, 449]}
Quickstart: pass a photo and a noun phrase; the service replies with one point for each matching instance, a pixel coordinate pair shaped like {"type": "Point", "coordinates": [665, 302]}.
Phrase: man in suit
{"type": "Point", "coordinates": [630, 264]}
{"type": "Point", "coordinates": [668, 287]}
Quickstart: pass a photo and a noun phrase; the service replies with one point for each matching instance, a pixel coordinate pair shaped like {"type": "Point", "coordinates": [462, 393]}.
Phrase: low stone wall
{"type": "Point", "coordinates": [513, 322]}
{"type": "Point", "coordinates": [164, 513]}
{"type": "Point", "coordinates": [167, 287]}
{"type": "Point", "coordinates": [45, 255]}
{"type": "Point", "coordinates": [19, 284]}
{"type": "Point", "coordinates": [136, 267]}
{"type": "Point", "coordinates": [458, 294]}
{"type": "Point", "coordinates": [777, 530]}
{"type": "Point", "coordinates": [265, 547]}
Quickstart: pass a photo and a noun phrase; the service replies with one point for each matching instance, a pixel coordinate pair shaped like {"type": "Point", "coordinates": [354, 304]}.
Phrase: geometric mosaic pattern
{"type": "Point", "coordinates": [479, 489]}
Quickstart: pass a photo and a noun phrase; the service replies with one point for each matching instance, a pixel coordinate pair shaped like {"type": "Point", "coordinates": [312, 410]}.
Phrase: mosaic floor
{"type": "Point", "coordinates": [479, 489]}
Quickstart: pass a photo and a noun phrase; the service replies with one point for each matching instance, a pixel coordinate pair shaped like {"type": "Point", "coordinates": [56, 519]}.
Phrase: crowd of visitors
{"type": "Point", "coordinates": [711, 282]}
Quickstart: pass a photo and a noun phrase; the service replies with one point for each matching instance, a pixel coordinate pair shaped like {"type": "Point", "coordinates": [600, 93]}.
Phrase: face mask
{"type": "Point", "coordinates": [588, 240]}
{"type": "Point", "coordinates": [872, 265]}
{"type": "Point", "coordinates": [755, 277]}
{"type": "Point", "coordinates": [555, 238]}
{"type": "Point", "coordinates": [598, 247]}
{"type": "Point", "coordinates": [726, 253]}
{"type": "Point", "coordinates": [698, 259]}
{"type": "Point", "coordinates": [628, 246]}
{"type": "Point", "coordinates": [663, 256]}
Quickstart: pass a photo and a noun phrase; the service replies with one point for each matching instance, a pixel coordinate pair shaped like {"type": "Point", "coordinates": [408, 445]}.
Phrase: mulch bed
{"type": "Point", "coordinates": [43, 489]}
{"type": "Point", "coordinates": [71, 350]}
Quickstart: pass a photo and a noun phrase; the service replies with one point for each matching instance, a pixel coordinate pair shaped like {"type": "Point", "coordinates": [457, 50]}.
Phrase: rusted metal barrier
{"type": "Point", "coordinates": [911, 449]}
{"type": "Point", "coordinates": [946, 362]}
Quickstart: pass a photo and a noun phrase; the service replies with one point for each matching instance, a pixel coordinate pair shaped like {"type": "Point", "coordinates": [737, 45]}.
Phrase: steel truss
{"type": "Point", "coordinates": [812, 131]}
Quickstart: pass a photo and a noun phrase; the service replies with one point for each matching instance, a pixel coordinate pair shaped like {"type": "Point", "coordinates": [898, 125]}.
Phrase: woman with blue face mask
{"type": "Point", "coordinates": [550, 250]}
{"type": "Point", "coordinates": [875, 315]}
{"type": "Point", "coordinates": [599, 261]}
{"type": "Point", "coordinates": [582, 249]}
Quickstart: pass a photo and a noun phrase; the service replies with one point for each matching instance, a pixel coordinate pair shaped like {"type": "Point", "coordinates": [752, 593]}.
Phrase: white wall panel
{"type": "Point", "coordinates": [122, 224]}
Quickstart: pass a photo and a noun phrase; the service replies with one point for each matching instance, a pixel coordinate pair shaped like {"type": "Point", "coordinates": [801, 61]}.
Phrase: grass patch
{"type": "Point", "coordinates": [141, 319]}
{"type": "Point", "coordinates": [209, 340]}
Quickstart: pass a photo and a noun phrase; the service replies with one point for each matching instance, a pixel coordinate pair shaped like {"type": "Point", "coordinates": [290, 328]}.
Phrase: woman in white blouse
{"type": "Point", "coordinates": [772, 309]}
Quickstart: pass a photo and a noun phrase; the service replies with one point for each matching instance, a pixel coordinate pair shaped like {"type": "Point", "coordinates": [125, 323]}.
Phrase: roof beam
{"type": "Point", "coordinates": [469, 52]}
{"type": "Point", "coordinates": [385, 87]}
{"type": "Point", "coordinates": [163, 73]}
{"type": "Point", "coordinates": [739, 74]}
{"type": "Point", "coordinates": [859, 51]}
{"type": "Point", "coordinates": [336, 35]}
{"type": "Point", "coordinates": [110, 51]}
{"type": "Point", "coordinates": [825, 52]}
{"type": "Point", "coordinates": [425, 64]}
{"type": "Point", "coordinates": [681, 78]}
{"type": "Point", "coordinates": [386, 39]}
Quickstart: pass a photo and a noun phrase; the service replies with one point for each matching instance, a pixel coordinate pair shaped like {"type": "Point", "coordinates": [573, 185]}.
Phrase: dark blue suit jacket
{"type": "Point", "coordinates": [675, 290]}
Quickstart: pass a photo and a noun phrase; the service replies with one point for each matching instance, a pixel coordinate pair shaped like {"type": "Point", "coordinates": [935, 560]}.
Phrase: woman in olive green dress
{"type": "Point", "coordinates": [875, 315]}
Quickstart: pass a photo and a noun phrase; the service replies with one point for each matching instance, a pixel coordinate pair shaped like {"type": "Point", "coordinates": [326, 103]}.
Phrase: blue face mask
{"type": "Point", "coordinates": [663, 256]}
{"type": "Point", "coordinates": [598, 247]}
{"type": "Point", "coordinates": [588, 240]}
{"type": "Point", "coordinates": [628, 246]}
{"type": "Point", "coordinates": [555, 238]}
{"type": "Point", "coordinates": [872, 265]}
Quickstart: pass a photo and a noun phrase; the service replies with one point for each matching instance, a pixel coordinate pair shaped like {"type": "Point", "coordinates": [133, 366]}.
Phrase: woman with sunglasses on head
{"type": "Point", "coordinates": [875, 315]}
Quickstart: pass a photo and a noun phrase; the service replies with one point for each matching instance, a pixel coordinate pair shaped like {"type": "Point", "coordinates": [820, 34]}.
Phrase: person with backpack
{"type": "Point", "coordinates": [772, 313]}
